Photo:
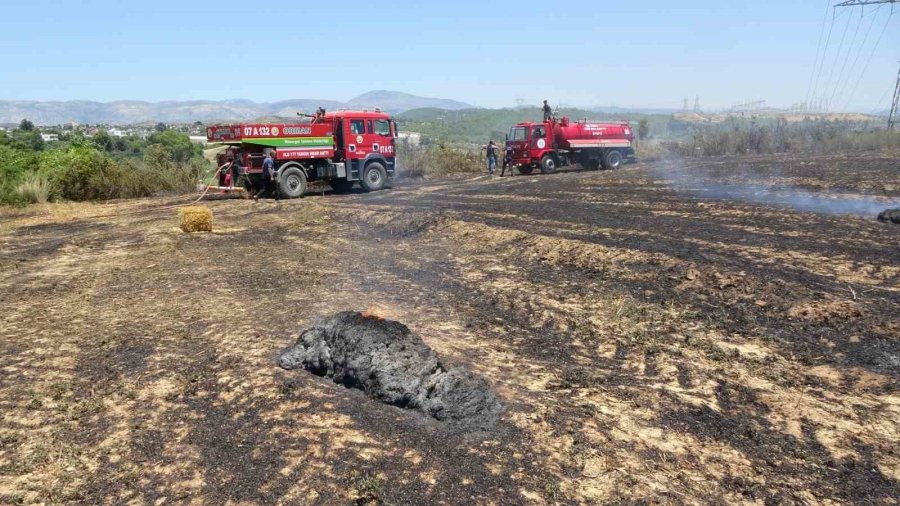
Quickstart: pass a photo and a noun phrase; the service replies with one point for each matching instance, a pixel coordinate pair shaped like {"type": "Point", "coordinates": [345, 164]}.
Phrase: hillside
{"type": "Point", "coordinates": [397, 102]}
{"type": "Point", "coordinates": [135, 111]}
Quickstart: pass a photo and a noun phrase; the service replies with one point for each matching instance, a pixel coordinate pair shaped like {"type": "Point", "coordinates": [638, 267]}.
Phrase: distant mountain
{"type": "Point", "coordinates": [135, 111]}
{"type": "Point", "coordinates": [397, 102]}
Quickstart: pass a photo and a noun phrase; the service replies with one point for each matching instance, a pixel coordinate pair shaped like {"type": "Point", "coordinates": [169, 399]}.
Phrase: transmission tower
{"type": "Point", "coordinates": [895, 107]}
{"type": "Point", "coordinates": [697, 104]}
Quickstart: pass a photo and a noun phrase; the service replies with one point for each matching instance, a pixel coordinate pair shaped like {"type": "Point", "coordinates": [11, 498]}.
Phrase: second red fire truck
{"type": "Point", "coordinates": [561, 142]}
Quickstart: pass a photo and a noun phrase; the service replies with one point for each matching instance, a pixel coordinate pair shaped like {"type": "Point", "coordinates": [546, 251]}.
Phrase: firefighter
{"type": "Point", "coordinates": [224, 170]}
{"type": "Point", "coordinates": [507, 161]}
{"type": "Point", "coordinates": [491, 150]}
{"type": "Point", "coordinates": [268, 176]}
{"type": "Point", "coordinates": [548, 112]}
{"type": "Point", "coordinates": [236, 167]}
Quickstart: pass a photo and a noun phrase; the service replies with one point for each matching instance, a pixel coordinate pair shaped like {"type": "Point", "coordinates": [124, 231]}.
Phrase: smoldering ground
{"type": "Point", "coordinates": [390, 363]}
{"type": "Point", "coordinates": [773, 185]}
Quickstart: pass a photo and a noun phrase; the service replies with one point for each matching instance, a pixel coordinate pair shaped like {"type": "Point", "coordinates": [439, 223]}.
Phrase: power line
{"type": "Point", "coordinates": [812, 74]}
{"type": "Point", "coordinates": [859, 53]}
{"type": "Point", "coordinates": [824, 55]}
{"type": "Point", "coordinates": [885, 94]}
{"type": "Point", "coordinates": [846, 58]}
{"type": "Point", "coordinates": [837, 56]}
{"type": "Point", "coordinates": [869, 61]}
{"type": "Point", "coordinates": [852, 3]}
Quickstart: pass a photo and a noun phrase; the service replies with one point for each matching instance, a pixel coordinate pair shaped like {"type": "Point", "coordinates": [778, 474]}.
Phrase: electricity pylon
{"type": "Point", "coordinates": [892, 118]}
{"type": "Point", "coordinates": [895, 108]}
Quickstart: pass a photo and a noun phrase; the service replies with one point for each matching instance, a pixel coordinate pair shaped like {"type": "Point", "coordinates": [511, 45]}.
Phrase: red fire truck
{"type": "Point", "coordinates": [560, 142]}
{"type": "Point", "coordinates": [339, 148]}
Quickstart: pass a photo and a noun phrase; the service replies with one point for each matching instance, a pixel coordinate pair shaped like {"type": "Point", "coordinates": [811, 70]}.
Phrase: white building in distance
{"type": "Point", "coordinates": [117, 132]}
{"type": "Point", "coordinates": [412, 138]}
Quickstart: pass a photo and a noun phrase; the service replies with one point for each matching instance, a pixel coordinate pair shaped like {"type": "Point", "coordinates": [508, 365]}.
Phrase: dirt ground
{"type": "Point", "coordinates": [648, 345]}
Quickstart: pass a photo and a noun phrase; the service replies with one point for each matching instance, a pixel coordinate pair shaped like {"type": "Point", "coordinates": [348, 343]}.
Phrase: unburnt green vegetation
{"type": "Point", "coordinates": [451, 141]}
{"type": "Point", "coordinates": [96, 168]}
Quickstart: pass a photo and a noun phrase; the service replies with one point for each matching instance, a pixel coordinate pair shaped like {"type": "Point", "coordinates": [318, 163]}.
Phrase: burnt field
{"type": "Point", "coordinates": [667, 333]}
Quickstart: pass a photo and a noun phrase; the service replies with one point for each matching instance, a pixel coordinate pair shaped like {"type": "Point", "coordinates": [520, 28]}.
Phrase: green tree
{"type": "Point", "coordinates": [15, 162]}
{"type": "Point", "coordinates": [26, 125]}
{"type": "Point", "coordinates": [157, 158]}
{"type": "Point", "coordinates": [178, 144]}
{"type": "Point", "coordinates": [26, 139]}
{"type": "Point", "coordinates": [103, 140]}
{"type": "Point", "coordinates": [161, 127]}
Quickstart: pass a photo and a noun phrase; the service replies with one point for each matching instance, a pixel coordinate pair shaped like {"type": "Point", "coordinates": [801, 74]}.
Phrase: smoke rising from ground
{"type": "Point", "coordinates": [750, 186]}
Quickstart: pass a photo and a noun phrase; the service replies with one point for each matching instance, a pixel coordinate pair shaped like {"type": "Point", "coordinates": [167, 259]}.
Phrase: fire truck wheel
{"type": "Point", "coordinates": [292, 182]}
{"type": "Point", "coordinates": [373, 178]}
{"type": "Point", "coordinates": [548, 165]}
{"type": "Point", "coordinates": [525, 169]}
{"type": "Point", "coordinates": [341, 185]}
{"type": "Point", "coordinates": [612, 160]}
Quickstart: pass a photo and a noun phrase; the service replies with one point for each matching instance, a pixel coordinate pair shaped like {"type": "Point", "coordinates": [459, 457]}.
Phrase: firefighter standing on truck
{"type": "Point", "coordinates": [548, 112]}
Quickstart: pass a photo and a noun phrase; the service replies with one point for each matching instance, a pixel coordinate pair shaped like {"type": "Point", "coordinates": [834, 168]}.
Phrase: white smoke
{"type": "Point", "coordinates": [692, 180]}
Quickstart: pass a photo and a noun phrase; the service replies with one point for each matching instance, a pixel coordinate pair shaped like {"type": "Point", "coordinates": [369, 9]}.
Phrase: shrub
{"type": "Point", "coordinates": [82, 173]}
{"type": "Point", "coordinates": [643, 129]}
{"type": "Point", "coordinates": [14, 165]}
{"type": "Point", "coordinates": [435, 160]}
{"type": "Point", "coordinates": [650, 151]}
{"type": "Point", "coordinates": [737, 137]}
{"type": "Point", "coordinates": [34, 189]}
{"type": "Point", "coordinates": [86, 173]}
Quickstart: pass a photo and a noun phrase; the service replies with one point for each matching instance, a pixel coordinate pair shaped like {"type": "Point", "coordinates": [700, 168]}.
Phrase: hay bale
{"type": "Point", "coordinates": [196, 219]}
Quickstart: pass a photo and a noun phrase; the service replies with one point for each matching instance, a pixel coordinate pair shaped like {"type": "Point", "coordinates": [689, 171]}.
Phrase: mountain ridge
{"type": "Point", "coordinates": [187, 111]}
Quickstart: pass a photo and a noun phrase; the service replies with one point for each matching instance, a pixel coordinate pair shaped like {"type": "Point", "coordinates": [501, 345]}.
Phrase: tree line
{"type": "Point", "coordinates": [95, 168]}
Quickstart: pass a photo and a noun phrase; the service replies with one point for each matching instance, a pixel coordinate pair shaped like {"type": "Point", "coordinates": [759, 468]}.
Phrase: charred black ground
{"type": "Point", "coordinates": [890, 215]}
{"type": "Point", "coordinates": [391, 364]}
{"type": "Point", "coordinates": [649, 346]}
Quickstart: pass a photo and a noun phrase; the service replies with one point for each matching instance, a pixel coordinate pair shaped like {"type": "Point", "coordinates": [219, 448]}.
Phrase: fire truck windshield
{"type": "Point", "coordinates": [382, 127]}
{"type": "Point", "coordinates": [518, 133]}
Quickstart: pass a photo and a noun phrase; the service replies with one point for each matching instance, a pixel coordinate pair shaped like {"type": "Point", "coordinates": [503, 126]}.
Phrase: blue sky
{"type": "Point", "coordinates": [644, 53]}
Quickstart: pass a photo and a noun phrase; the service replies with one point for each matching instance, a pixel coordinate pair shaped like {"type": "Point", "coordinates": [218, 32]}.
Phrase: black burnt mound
{"type": "Point", "coordinates": [890, 215]}
{"type": "Point", "coordinates": [391, 364]}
